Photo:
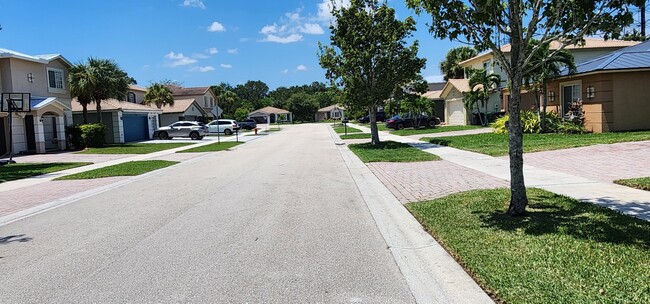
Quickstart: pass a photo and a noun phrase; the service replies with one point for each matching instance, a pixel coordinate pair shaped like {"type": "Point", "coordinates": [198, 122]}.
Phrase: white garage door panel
{"type": "Point", "coordinates": [456, 112]}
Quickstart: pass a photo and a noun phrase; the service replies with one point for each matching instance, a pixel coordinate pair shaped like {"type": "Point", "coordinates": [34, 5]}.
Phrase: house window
{"type": "Point", "coordinates": [570, 93]}
{"type": "Point", "coordinates": [130, 97]}
{"type": "Point", "coordinates": [55, 80]}
{"type": "Point", "coordinates": [336, 114]}
{"type": "Point", "coordinates": [487, 67]}
{"type": "Point", "coordinates": [205, 101]}
{"type": "Point", "coordinates": [211, 101]}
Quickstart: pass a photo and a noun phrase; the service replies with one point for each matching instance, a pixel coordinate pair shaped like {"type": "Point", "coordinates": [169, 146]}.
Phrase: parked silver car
{"type": "Point", "coordinates": [192, 129]}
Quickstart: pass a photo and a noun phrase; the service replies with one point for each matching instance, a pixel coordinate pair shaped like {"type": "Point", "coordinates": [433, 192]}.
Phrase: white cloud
{"type": "Point", "coordinates": [435, 78]}
{"type": "Point", "coordinates": [301, 68]}
{"type": "Point", "coordinates": [212, 51]}
{"type": "Point", "coordinates": [312, 29]}
{"type": "Point", "coordinates": [269, 29]}
{"type": "Point", "coordinates": [202, 69]}
{"type": "Point", "coordinates": [216, 27]}
{"type": "Point", "coordinates": [233, 51]}
{"type": "Point", "coordinates": [325, 9]}
{"type": "Point", "coordinates": [226, 66]}
{"type": "Point", "coordinates": [200, 56]}
{"type": "Point", "coordinates": [279, 39]}
{"type": "Point", "coordinates": [285, 71]}
{"type": "Point", "coordinates": [178, 59]}
{"type": "Point", "coordinates": [194, 3]}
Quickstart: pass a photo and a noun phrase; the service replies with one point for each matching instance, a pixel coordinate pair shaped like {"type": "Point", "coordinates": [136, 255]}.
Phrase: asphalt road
{"type": "Point", "coordinates": [279, 220]}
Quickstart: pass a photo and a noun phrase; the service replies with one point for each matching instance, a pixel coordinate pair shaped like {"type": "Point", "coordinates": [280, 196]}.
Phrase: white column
{"type": "Point", "coordinates": [119, 130]}
{"type": "Point", "coordinates": [39, 133]}
{"type": "Point", "coordinates": [18, 131]}
{"type": "Point", "coordinates": [60, 131]}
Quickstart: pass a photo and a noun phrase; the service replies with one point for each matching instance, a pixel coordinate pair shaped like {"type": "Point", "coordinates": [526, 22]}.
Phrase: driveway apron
{"type": "Point", "coordinates": [277, 220]}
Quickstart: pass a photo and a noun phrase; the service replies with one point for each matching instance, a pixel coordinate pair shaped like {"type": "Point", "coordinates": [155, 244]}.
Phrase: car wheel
{"type": "Point", "coordinates": [400, 126]}
{"type": "Point", "coordinates": [227, 132]}
{"type": "Point", "coordinates": [163, 135]}
{"type": "Point", "coordinates": [432, 123]}
{"type": "Point", "coordinates": [200, 137]}
{"type": "Point", "coordinates": [194, 135]}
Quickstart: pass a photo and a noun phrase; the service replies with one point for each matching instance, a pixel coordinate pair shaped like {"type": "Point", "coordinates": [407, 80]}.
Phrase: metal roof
{"type": "Point", "coordinates": [632, 57]}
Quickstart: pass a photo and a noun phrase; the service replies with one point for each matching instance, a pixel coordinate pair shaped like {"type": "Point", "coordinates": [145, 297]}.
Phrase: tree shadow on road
{"type": "Point", "coordinates": [21, 238]}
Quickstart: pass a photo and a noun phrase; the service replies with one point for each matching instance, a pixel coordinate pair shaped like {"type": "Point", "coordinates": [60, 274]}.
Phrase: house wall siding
{"type": "Point", "coordinates": [631, 104]}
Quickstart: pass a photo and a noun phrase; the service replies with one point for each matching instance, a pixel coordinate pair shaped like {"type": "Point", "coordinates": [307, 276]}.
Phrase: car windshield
{"type": "Point", "coordinates": [396, 117]}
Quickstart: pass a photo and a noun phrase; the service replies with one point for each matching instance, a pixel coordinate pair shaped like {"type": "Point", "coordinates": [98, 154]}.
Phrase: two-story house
{"type": "Point", "coordinates": [202, 95]}
{"type": "Point", "coordinates": [45, 78]}
{"type": "Point", "coordinates": [498, 102]}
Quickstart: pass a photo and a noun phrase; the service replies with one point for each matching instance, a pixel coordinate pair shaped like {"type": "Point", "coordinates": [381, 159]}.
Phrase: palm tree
{"type": "Point", "coordinates": [80, 83]}
{"type": "Point", "coordinates": [481, 85]}
{"type": "Point", "coordinates": [227, 99]}
{"type": "Point", "coordinates": [159, 95]}
{"type": "Point", "coordinates": [109, 82]}
{"type": "Point", "coordinates": [546, 64]}
{"type": "Point", "coordinates": [450, 66]}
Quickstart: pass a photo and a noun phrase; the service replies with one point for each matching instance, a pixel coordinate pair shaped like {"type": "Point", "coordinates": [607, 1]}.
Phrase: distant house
{"type": "Point", "coordinates": [203, 96]}
{"type": "Point", "coordinates": [330, 112]}
{"type": "Point", "coordinates": [270, 115]}
{"type": "Point", "coordinates": [433, 94]}
{"type": "Point", "coordinates": [614, 89]}
{"type": "Point", "coordinates": [453, 92]}
{"type": "Point", "coordinates": [183, 109]}
{"type": "Point", "coordinates": [135, 94]}
{"type": "Point", "coordinates": [45, 78]}
{"type": "Point", "coordinates": [124, 121]}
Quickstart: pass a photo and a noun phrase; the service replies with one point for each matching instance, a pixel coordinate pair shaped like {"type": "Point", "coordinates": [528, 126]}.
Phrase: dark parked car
{"type": "Point", "coordinates": [381, 116]}
{"type": "Point", "coordinates": [399, 122]}
{"type": "Point", "coordinates": [247, 124]}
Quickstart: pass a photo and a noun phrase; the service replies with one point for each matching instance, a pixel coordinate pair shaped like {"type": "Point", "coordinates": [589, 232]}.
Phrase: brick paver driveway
{"type": "Point", "coordinates": [604, 163]}
{"type": "Point", "coordinates": [413, 182]}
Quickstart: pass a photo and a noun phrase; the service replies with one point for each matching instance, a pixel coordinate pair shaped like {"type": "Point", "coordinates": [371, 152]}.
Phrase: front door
{"type": "Point", "coordinates": [49, 131]}
{"type": "Point", "coordinates": [29, 133]}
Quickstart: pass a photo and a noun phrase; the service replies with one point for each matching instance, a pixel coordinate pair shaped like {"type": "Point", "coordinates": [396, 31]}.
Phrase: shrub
{"type": "Point", "coordinates": [529, 122]}
{"type": "Point", "coordinates": [500, 125]}
{"type": "Point", "coordinates": [93, 134]}
{"type": "Point", "coordinates": [73, 135]}
{"type": "Point", "coordinates": [570, 127]}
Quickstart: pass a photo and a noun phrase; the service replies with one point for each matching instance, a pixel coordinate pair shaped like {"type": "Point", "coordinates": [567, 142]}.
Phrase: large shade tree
{"type": "Point", "coordinates": [159, 95]}
{"type": "Point", "coordinates": [369, 56]}
{"type": "Point", "coordinates": [483, 22]}
{"type": "Point", "coordinates": [81, 84]}
{"type": "Point", "coordinates": [450, 66]}
{"type": "Point", "coordinates": [109, 81]}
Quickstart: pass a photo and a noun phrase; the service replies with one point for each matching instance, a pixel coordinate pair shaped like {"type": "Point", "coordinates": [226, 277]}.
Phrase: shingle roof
{"type": "Point", "coordinates": [436, 86]}
{"type": "Point", "coordinates": [270, 110]}
{"type": "Point", "coordinates": [329, 108]}
{"type": "Point", "coordinates": [181, 105]}
{"type": "Point", "coordinates": [45, 59]}
{"type": "Point", "coordinates": [433, 94]}
{"type": "Point", "coordinates": [461, 85]}
{"type": "Point", "coordinates": [180, 91]}
{"type": "Point", "coordinates": [633, 57]}
{"type": "Point", "coordinates": [137, 88]}
{"type": "Point", "coordinates": [114, 104]}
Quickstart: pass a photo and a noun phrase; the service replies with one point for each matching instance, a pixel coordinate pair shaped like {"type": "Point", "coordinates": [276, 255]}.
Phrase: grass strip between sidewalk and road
{"type": "Point", "coordinates": [355, 136]}
{"type": "Point", "coordinates": [131, 168]}
{"type": "Point", "coordinates": [212, 147]}
{"type": "Point", "coordinates": [438, 129]}
{"type": "Point", "coordinates": [341, 129]}
{"type": "Point", "coordinates": [642, 183]}
{"type": "Point", "coordinates": [133, 148]}
{"type": "Point", "coordinates": [390, 151]}
{"type": "Point", "coordinates": [562, 251]}
{"type": "Point", "coordinates": [497, 144]}
{"type": "Point", "coordinates": [381, 126]}
{"type": "Point", "coordinates": [17, 171]}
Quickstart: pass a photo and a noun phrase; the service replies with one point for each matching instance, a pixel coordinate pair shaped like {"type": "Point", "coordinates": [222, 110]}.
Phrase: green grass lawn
{"type": "Point", "coordinates": [381, 126]}
{"type": "Point", "coordinates": [390, 151]}
{"type": "Point", "coordinates": [642, 183]}
{"type": "Point", "coordinates": [24, 170]}
{"type": "Point", "coordinates": [355, 136]}
{"type": "Point", "coordinates": [563, 251]}
{"type": "Point", "coordinates": [124, 169]}
{"type": "Point", "coordinates": [132, 148]}
{"type": "Point", "coordinates": [497, 144]}
{"type": "Point", "coordinates": [433, 130]}
{"type": "Point", "coordinates": [212, 147]}
{"type": "Point", "coordinates": [341, 129]}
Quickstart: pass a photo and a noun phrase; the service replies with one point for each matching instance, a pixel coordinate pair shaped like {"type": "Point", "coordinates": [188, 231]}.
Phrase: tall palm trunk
{"type": "Point", "coordinates": [84, 112]}
{"type": "Point", "coordinates": [99, 111]}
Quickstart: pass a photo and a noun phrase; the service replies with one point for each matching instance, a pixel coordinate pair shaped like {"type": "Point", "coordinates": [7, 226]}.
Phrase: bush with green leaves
{"type": "Point", "coordinates": [92, 135]}
{"type": "Point", "coordinates": [530, 123]}
{"type": "Point", "coordinates": [73, 134]}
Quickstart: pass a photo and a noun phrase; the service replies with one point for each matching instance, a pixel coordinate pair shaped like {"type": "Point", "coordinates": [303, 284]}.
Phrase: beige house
{"type": "Point", "coordinates": [45, 78]}
{"type": "Point", "coordinates": [433, 95]}
{"type": "Point", "coordinates": [203, 96]}
{"type": "Point", "coordinates": [335, 112]}
{"type": "Point", "coordinates": [453, 93]}
{"type": "Point", "coordinates": [183, 109]}
{"type": "Point", "coordinates": [613, 88]}
{"type": "Point", "coordinates": [270, 115]}
{"type": "Point", "coordinates": [135, 94]}
{"type": "Point", "coordinates": [498, 102]}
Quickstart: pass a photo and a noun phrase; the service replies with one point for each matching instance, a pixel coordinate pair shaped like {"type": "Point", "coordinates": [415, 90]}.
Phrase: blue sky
{"type": "Point", "coordinates": [196, 42]}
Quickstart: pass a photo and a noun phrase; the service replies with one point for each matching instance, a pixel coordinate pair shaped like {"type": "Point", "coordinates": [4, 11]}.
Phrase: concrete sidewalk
{"type": "Point", "coordinates": [626, 200]}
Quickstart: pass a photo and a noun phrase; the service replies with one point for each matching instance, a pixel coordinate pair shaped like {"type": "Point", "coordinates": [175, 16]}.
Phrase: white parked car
{"type": "Point", "coordinates": [225, 126]}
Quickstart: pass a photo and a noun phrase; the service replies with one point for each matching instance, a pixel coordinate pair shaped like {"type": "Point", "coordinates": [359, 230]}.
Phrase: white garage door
{"type": "Point", "coordinates": [456, 111]}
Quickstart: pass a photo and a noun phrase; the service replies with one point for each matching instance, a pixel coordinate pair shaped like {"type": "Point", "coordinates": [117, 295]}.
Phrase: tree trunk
{"type": "Point", "coordinates": [543, 119]}
{"type": "Point", "coordinates": [518, 197]}
{"type": "Point", "coordinates": [486, 110]}
{"type": "Point", "coordinates": [84, 112]}
{"type": "Point", "coordinates": [374, 132]}
{"type": "Point", "coordinates": [99, 111]}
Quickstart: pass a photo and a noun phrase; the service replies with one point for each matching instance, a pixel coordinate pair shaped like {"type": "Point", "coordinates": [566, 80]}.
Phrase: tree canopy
{"type": "Point", "coordinates": [450, 66]}
{"type": "Point", "coordinates": [160, 95]}
{"type": "Point", "coordinates": [368, 56]}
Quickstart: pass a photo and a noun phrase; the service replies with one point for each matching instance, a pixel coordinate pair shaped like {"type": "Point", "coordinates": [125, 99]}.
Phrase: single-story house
{"type": "Point", "coordinates": [183, 109]}
{"type": "Point", "coordinates": [455, 113]}
{"type": "Point", "coordinates": [270, 115]}
{"type": "Point", "coordinates": [330, 112]}
{"type": "Point", "coordinates": [125, 121]}
{"type": "Point", "coordinates": [613, 88]}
